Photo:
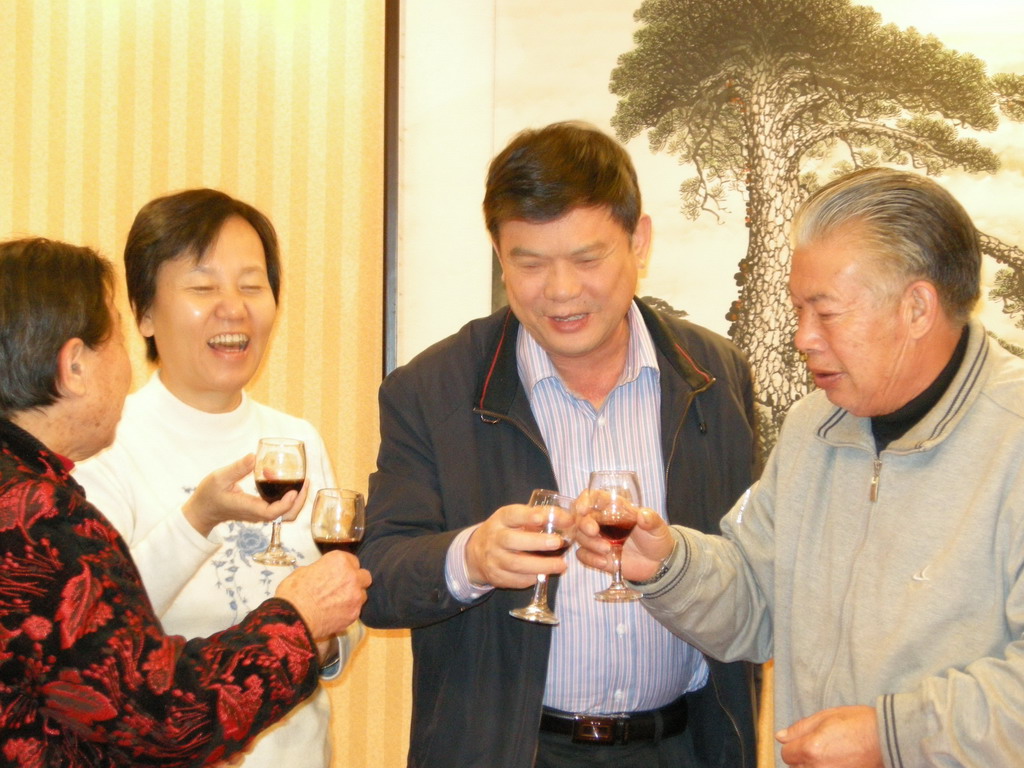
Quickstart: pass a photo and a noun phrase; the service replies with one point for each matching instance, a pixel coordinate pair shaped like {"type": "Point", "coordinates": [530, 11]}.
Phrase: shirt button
{"type": "Point", "coordinates": [619, 695]}
{"type": "Point", "coordinates": [620, 630]}
{"type": "Point", "coordinates": [601, 421]}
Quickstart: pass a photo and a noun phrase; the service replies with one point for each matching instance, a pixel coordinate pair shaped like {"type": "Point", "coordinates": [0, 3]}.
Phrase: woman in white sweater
{"type": "Point", "coordinates": [204, 276]}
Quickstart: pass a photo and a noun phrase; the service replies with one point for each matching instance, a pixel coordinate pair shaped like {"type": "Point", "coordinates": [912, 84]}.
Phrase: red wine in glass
{"type": "Point", "coordinates": [274, 490]}
{"type": "Point", "coordinates": [615, 494]}
{"type": "Point", "coordinates": [337, 545]}
{"type": "Point", "coordinates": [338, 520]}
{"type": "Point", "coordinates": [617, 532]}
{"type": "Point", "coordinates": [280, 467]}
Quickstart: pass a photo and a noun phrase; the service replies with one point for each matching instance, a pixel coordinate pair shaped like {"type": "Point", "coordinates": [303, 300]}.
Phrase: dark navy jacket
{"type": "Point", "coordinates": [458, 440]}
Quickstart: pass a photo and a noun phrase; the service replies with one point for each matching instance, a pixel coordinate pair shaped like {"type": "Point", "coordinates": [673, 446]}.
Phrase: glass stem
{"type": "Point", "coordinates": [275, 535]}
{"type": "Point", "coordinates": [617, 562]}
{"type": "Point", "coordinates": [540, 591]}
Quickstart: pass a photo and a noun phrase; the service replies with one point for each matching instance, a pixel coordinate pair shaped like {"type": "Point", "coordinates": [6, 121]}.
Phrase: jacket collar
{"type": "Point", "coordinates": [36, 456]}
{"type": "Point", "coordinates": [501, 378]}
{"type": "Point", "coordinates": [840, 427]}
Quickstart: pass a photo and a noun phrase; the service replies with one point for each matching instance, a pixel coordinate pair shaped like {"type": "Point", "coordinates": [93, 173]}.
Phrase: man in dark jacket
{"type": "Point", "coordinates": [576, 375]}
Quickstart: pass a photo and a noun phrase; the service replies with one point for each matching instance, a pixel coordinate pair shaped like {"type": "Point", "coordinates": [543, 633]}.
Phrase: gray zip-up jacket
{"type": "Point", "coordinates": [909, 597]}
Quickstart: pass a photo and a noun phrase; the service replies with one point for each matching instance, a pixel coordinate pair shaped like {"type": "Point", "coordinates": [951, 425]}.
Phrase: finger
{"type": "Point", "coordinates": [522, 540]}
{"type": "Point", "coordinates": [588, 526]}
{"type": "Point", "coordinates": [583, 503]}
{"type": "Point", "coordinates": [290, 505]}
{"type": "Point", "coordinates": [598, 499]}
{"type": "Point", "coordinates": [648, 519]}
{"type": "Point", "coordinates": [514, 550]}
{"type": "Point", "coordinates": [521, 516]}
{"type": "Point", "coordinates": [518, 566]}
{"type": "Point", "coordinates": [236, 470]}
{"type": "Point", "coordinates": [601, 562]}
{"type": "Point", "coordinates": [796, 730]}
{"type": "Point", "coordinates": [794, 753]}
{"type": "Point", "coordinates": [285, 508]}
{"type": "Point", "coordinates": [303, 493]}
{"type": "Point", "coordinates": [551, 565]}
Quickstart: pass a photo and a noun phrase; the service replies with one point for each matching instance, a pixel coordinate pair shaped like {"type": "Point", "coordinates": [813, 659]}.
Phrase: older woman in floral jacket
{"type": "Point", "coordinates": [87, 675]}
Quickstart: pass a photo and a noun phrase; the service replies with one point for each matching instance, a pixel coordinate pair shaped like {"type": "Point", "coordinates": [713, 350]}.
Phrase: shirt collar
{"type": "Point", "coordinates": [535, 364]}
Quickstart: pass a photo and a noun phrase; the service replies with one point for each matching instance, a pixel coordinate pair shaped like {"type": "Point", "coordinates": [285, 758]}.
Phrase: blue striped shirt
{"type": "Point", "coordinates": [607, 657]}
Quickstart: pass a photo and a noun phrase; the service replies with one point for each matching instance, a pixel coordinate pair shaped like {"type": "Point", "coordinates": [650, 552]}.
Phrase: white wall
{"type": "Point", "coordinates": [447, 105]}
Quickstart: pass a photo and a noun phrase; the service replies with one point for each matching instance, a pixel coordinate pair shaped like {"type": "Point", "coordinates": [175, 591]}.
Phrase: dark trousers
{"type": "Point", "coordinates": [558, 751]}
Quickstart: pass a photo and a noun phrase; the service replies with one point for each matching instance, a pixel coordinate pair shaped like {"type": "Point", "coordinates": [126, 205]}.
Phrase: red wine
{"type": "Point", "coordinates": [341, 545]}
{"type": "Point", "coordinates": [274, 490]}
{"type": "Point", "coordinates": [553, 552]}
{"type": "Point", "coordinates": [618, 531]}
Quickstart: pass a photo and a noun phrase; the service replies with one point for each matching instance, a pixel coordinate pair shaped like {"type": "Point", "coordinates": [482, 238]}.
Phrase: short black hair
{"type": "Point", "coordinates": [50, 292]}
{"type": "Point", "coordinates": [545, 173]}
{"type": "Point", "coordinates": [186, 224]}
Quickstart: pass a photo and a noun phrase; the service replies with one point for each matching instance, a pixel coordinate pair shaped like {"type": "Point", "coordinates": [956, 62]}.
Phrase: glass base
{"type": "Point", "coordinates": [274, 556]}
{"type": "Point", "coordinates": [617, 593]}
{"type": "Point", "coordinates": [538, 614]}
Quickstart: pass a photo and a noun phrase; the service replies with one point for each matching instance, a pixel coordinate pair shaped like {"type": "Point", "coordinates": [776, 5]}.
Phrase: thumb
{"type": "Point", "coordinates": [795, 731]}
{"type": "Point", "coordinates": [236, 470]}
{"type": "Point", "coordinates": [648, 519]}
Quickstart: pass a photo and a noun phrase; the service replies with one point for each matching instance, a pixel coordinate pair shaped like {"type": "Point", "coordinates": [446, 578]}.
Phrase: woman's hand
{"type": "Point", "coordinates": [219, 498]}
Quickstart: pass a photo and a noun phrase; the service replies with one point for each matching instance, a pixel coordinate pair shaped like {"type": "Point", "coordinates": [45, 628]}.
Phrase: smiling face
{"type": "Point", "coordinates": [212, 320]}
{"type": "Point", "coordinates": [859, 341]}
{"type": "Point", "coordinates": [570, 282]}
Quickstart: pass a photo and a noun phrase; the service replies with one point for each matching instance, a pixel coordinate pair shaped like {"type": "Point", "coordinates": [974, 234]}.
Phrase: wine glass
{"type": "Point", "coordinates": [280, 467]}
{"type": "Point", "coordinates": [614, 495]}
{"type": "Point", "coordinates": [561, 519]}
{"type": "Point", "coordinates": [339, 517]}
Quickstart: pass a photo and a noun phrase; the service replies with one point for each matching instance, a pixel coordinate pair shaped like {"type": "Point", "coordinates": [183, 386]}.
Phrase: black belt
{"type": "Point", "coordinates": [650, 724]}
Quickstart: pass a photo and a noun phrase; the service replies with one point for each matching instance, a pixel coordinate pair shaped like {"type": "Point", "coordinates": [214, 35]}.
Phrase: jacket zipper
{"type": "Point", "coordinates": [875, 477]}
{"type": "Point", "coordinates": [690, 398]}
{"type": "Point", "coordinates": [876, 472]}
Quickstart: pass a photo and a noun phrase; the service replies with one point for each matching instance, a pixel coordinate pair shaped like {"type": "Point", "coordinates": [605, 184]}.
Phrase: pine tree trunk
{"type": "Point", "coordinates": [763, 323]}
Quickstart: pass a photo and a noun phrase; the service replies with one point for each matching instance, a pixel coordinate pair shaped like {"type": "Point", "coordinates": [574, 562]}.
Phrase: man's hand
{"type": "Point", "coordinates": [329, 594]}
{"type": "Point", "coordinates": [500, 551]}
{"type": "Point", "coordinates": [650, 542]}
{"type": "Point", "coordinates": [219, 498]}
{"type": "Point", "coordinates": [841, 737]}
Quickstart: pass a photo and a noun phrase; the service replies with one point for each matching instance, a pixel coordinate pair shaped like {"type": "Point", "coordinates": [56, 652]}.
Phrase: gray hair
{"type": "Point", "coordinates": [912, 227]}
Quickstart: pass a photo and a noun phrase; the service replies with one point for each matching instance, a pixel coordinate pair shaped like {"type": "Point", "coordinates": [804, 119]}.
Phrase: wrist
{"type": "Point", "coordinates": [329, 655]}
{"type": "Point", "coordinates": [663, 567]}
{"type": "Point", "coordinates": [195, 518]}
{"type": "Point", "coordinates": [476, 578]}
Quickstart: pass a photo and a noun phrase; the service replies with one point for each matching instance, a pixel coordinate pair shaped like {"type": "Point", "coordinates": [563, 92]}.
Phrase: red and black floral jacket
{"type": "Point", "coordinates": [87, 675]}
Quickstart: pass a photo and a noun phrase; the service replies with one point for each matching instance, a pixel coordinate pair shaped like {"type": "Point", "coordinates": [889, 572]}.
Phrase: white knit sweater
{"type": "Point", "coordinates": [201, 585]}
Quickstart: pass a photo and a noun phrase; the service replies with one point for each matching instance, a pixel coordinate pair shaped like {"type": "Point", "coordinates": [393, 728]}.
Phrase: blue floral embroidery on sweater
{"type": "Point", "coordinates": [241, 542]}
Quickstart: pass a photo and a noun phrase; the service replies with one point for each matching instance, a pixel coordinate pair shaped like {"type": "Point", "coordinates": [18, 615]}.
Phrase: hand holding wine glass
{"type": "Point", "coordinates": [643, 553]}
{"type": "Point", "coordinates": [500, 551]}
{"type": "Point", "coordinates": [615, 498]}
{"type": "Point", "coordinates": [339, 519]}
{"type": "Point", "coordinates": [560, 518]}
{"type": "Point", "coordinates": [219, 497]}
{"type": "Point", "coordinates": [280, 467]}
